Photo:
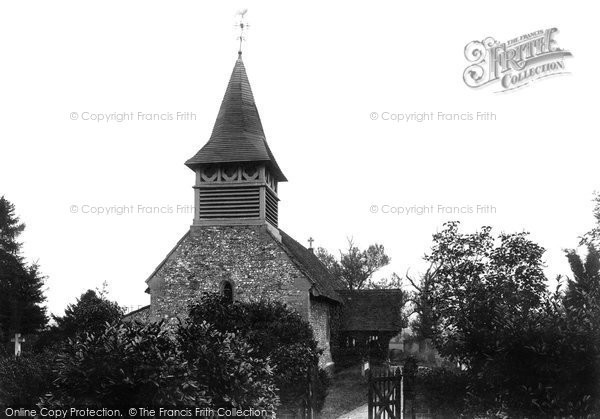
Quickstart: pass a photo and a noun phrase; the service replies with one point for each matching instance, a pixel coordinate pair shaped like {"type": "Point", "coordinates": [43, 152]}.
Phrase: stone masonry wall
{"type": "Point", "coordinates": [247, 256]}
{"type": "Point", "coordinates": [142, 315]}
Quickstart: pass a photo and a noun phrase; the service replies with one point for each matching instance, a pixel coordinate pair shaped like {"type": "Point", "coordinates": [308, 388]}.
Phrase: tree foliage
{"type": "Point", "coordinates": [586, 276]}
{"type": "Point", "coordinates": [21, 284]}
{"type": "Point", "coordinates": [445, 390]}
{"type": "Point", "coordinates": [423, 325]}
{"type": "Point", "coordinates": [592, 237]}
{"type": "Point", "coordinates": [581, 324]}
{"type": "Point", "coordinates": [23, 380]}
{"type": "Point", "coordinates": [107, 361]}
{"type": "Point", "coordinates": [126, 364]}
{"type": "Point", "coordinates": [91, 313]}
{"type": "Point", "coordinates": [230, 369]}
{"type": "Point", "coordinates": [10, 227]}
{"type": "Point", "coordinates": [355, 268]}
{"type": "Point", "coordinates": [475, 282]}
{"type": "Point", "coordinates": [274, 331]}
{"type": "Point", "coordinates": [492, 313]}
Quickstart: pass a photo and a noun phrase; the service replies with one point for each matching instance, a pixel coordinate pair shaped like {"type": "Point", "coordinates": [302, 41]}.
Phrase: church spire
{"type": "Point", "coordinates": [236, 173]}
{"type": "Point", "coordinates": [238, 134]}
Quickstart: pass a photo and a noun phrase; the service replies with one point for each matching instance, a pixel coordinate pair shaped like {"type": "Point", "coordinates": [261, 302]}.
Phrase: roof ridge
{"type": "Point", "coordinates": [324, 286]}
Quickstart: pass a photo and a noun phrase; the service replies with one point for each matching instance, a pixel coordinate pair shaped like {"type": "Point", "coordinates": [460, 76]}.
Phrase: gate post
{"type": "Point", "coordinates": [370, 376]}
{"type": "Point", "coordinates": [400, 388]}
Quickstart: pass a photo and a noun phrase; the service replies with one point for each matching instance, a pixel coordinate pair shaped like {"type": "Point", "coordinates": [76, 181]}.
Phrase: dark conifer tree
{"type": "Point", "coordinates": [21, 284]}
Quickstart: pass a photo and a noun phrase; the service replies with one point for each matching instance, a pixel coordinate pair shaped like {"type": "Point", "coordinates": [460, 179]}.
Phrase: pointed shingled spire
{"type": "Point", "coordinates": [238, 134]}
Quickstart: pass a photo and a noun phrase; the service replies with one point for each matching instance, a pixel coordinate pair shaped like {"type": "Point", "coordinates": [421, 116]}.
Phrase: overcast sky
{"type": "Point", "coordinates": [318, 71]}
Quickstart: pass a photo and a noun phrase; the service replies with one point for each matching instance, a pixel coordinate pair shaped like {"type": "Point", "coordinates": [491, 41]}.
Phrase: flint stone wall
{"type": "Point", "coordinates": [251, 259]}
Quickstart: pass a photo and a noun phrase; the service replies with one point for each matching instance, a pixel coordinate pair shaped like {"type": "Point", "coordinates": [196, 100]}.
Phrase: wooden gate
{"type": "Point", "coordinates": [385, 395]}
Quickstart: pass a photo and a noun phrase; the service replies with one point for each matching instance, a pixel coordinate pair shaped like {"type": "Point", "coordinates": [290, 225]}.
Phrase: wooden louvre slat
{"type": "Point", "coordinates": [228, 216]}
{"type": "Point", "coordinates": [230, 208]}
{"type": "Point", "coordinates": [230, 212]}
{"type": "Point", "coordinates": [229, 195]}
{"type": "Point", "coordinates": [229, 203]}
{"type": "Point", "coordinates": [271, 208]}
{"type": "Point", "coordinates": [241, 214]}
{"type": "Point", "coordinates": [229, 198]}
{"type": "Point", "coordinates": [232, 191]}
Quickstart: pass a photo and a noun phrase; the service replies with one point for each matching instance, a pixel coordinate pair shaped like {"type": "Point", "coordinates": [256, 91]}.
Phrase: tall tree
{"type": "Point", "coordinates": [21, 284]}
{"type": "Point", "coordinates": [490, 311]}
{"type": "Point", "coordinates": [592, 237]}
{"type": "Point", "coordinates": [92, 312]}
{"type": "Point", "coordinates": [355, 268]}
{"type": "Point", "coordinates": [582, 325]}
{"type": "Point", "coordinates": [524, 352]}
{"type": "Point", "coordinates": [481, 282]}
{"type": "Point", "coordinates": [421, 298]}
{"type": "Point", "coordinates": [586, 276]}
{"type": "Point", "coordinates": [10, 227]}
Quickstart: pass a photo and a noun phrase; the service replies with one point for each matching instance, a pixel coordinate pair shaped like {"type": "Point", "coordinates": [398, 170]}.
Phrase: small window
{"type": "Point", "coordinates": [227, 291]}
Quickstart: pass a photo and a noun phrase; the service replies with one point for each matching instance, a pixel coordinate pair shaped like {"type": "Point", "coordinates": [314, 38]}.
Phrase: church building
{"type": "Point", "coordinates": [235, 246]}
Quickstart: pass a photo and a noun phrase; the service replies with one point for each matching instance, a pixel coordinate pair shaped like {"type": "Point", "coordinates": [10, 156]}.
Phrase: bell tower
{"type": "Point", "coordinates": [236, 174]}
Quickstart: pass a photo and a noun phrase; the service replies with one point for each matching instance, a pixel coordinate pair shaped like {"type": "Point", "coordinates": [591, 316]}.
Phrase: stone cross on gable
{"type": "Point", "coordinates": [17, 340]}
{"type": "Point", "coordinates": [310, 242]}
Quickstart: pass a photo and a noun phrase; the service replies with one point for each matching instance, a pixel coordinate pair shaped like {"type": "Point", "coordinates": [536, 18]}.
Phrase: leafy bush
{"type": "Point", "coordinates": [445, 390]}
{"type": "Point", "coordinates": [23, 380]}
{"type": "Point", "coordinates": [276, 332]}
{"type": "Point", "coordinates": [4, 350]}
{"type": "Point", "coordinates": [147, 365]}
{"type": "Point", "coordinates": [409, 371]}
{"type": "Point", "coordinates": [227, 367]}
{"type": "Point", "coordinates": [125, 364]}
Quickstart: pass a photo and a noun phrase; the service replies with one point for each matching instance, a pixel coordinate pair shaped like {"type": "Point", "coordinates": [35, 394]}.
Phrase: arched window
{"type": "Point", "coordinates": [227, 291]}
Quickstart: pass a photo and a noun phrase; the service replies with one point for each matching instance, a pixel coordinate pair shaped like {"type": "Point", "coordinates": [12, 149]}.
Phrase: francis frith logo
{"type": "Point", "coordinates": [514, 63]}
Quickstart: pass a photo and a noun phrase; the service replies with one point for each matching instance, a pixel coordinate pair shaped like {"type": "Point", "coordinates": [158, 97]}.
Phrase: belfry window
{"type": "Point", "coordinates": [227, 291]}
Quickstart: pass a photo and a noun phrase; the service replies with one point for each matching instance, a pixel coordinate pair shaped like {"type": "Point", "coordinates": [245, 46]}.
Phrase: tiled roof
{"type": "Point", "coordinates": [238, 134]}
{"type": "Point", "coordinates": [371, 310]}
{"type": "Point", "coordinates": [312, 267]}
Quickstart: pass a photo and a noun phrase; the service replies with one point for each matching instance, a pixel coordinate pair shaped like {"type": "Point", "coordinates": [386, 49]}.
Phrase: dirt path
{"type": "Point", "coordinates": [361, 412]}
{"type": "Point", "coordinates": [348, 391]}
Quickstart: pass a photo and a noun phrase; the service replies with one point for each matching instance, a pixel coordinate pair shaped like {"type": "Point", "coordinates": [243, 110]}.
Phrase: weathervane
{"type": "Point", "coordinates": [242, 25]}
